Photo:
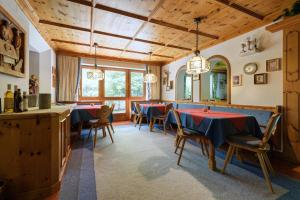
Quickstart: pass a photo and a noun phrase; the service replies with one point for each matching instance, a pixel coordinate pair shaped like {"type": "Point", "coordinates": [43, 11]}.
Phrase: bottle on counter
{"type": "Point", "coordinates": [9, 100]}
{"type": "Point", "coordinates": [19, 101]}
{"type": "Point", "coordinates": [15, 98]}
{"type": "Point", "coordinates": [25, 102]}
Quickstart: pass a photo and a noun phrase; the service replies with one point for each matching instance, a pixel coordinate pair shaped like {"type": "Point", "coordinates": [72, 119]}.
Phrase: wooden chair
{"type": "Point", "coordinates": [102, 121]}
{"type": "Point", "coordinates": [134, 114]}
{"type": "Point", "coordinates": [110, 123]}
{"type": "Point", "coordinates": [253, 144]}
{"type": "Point", "coordinates": [140, 115]}
{"type": "Point", "coordinates": [184, 134]}
{"type": "Point", "coordinates": [162, 118]}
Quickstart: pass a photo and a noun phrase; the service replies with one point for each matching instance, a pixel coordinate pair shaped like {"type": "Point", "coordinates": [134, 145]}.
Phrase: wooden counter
{"type": "Point", "coordinates": [34, 149]}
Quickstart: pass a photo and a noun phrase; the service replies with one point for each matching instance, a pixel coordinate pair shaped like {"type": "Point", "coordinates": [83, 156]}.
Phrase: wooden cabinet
{"type": "Point", "coordinates": [34, 149]}
{"type": "Point", "coordinates": [291, 85]}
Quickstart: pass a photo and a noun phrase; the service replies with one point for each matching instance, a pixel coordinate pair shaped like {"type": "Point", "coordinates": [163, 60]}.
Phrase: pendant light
{"type": "Point", "coordinates": [149, 77]}
{"type": "Point", "coordinates": [198, 64]}
{"type": "Point", "coordinates": [97, 73]}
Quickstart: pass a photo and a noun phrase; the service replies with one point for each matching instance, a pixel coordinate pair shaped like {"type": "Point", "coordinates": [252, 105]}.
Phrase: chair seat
{"type": "Point", "coordinates": [192, 133]}
{"type": "Point", "coordinates": [245, 140]}
{"type": "Point", "coordinates": [96, 122]}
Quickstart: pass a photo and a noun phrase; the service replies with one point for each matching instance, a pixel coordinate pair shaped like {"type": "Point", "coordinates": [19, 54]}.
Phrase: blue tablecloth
{"type": "Point", "coordinates": [217, 126]}
{"type": "Point", "coordinates": [152, 110]}
{"type": "Point", "coordinates": [84, 113]}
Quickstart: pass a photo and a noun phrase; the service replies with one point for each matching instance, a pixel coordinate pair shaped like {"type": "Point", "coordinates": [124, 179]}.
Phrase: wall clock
{"type": "Point", "coordinates": [250, 68]}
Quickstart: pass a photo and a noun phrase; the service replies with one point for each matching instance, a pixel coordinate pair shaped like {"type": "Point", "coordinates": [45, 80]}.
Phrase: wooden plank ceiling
{"type": "Point", "coordinates": [130, 29]}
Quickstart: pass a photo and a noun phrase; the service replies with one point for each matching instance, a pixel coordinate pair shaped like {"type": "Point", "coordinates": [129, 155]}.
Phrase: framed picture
{"type": "Point", "coordinates": [273, 65]}
{"type": "Point", "coordinates": [196, 77]}
{"type": "Point", "coordinates": [237, 80]}
{"type": "Point", "coordinates": [261, 78]}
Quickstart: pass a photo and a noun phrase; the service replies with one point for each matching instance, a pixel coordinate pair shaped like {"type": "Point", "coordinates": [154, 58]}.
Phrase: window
{"type": "Point", "coordinates": [136, 84]}
{"type": "Point", "coordinates": [89, 86]}
{"type": "Point", "coordinates": [115, 83]}
{"type": "Point", "coordinates": [188, 87]}
{"type": "Point", "coordinates": [120, 105]}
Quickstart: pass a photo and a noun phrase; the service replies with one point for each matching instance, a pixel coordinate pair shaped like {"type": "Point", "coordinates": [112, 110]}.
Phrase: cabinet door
{"type": "Point", "coordinates": [64, 137]}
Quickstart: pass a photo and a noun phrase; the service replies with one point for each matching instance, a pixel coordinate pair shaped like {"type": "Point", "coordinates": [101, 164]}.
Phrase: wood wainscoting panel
{"type": "Point", "coordinates": [291, 86]}
{"type": "Point", "coordinates": [292, 56]}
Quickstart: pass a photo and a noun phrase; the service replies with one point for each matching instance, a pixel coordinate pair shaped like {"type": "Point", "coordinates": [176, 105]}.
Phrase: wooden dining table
{"type": "Point", "coordinates": [84, 113]}
{"type": "Point", "coordinates": [216, 126]}
{"type": "Point", "coordinates": [152, 110]}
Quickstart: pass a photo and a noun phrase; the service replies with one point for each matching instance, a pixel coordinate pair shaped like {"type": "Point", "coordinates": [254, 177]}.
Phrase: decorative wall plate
{"type": "Point", "coordinates": [250, 68]}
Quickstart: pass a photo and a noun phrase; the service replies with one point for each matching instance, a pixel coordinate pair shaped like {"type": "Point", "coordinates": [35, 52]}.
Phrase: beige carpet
{"type": "Point", "coordinates": [142, 166]}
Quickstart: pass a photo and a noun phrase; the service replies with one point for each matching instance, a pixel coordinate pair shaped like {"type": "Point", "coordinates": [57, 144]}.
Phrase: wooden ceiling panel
{"type": "Point", "coordinates": [141, 7]}
{"type": "Point", "coordinates": [227, 21]}
{"type": "Point", "coordinates": [108, 52]}
{"type": "Point", "coordinates": [182, 12]}
{"type": "Point", "coordinates": [66, 34]}
{"type": "Point", "coordinates": [116, 24]}
{"type": "Point", "coordinates": [135, 56]}
{"type": "Point", "coordinates": [143, 47]}
{"type": "Point", "coordinates": [262, 7]}
{"type": "Point", "coordinates": [73, 48]}
{"type": "Point", "coordinates": [189, 40]}
{"type": "Point", "coordinates": [62, 12]}
{"type": "Point", "coordinates": [158, 33]}
{"type": "Point", "coordinates": [169, 52]}
{"type": "Point", "coordinates": [109, 41]}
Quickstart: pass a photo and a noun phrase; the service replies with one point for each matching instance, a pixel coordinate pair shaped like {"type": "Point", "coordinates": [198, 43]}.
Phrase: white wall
{"type": "Point", "coordinates": [12, 7]}
{"type": "Point", "coordinates": [34, 62]}
{"type": "Point", "coordinates": [270, 94]}
{"type": "Point", "coordinates": [40, 62]}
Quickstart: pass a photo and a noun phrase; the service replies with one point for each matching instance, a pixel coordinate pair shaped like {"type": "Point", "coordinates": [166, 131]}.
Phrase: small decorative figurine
{"type": "Point", "coordinates": [33, 85]}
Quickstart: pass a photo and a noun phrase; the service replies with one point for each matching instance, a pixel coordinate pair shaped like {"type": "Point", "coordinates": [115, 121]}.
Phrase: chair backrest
{"type": "Point", "coordinates": [103, 114]}
{"type": "Point", "coordinates": [138, 108]}
{"type": "Point", "coordinates": [178, 122]}
{"type": "Point", "coordinates": [271, 128]}
{"type": "Point", "coordinates": [112, 108]}
{"type": "Point", "coordinates": [169, 106]}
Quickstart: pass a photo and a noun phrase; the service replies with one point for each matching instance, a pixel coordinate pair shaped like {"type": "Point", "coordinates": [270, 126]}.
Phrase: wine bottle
{"type": "Point", "coordinates": [9, 100]}
{"type": "Point", "coordinates": [15, 98]}
{"type": "Point", "coordinates": [25, 102]}
{"type": "Point", "coordinates": [19, 101]}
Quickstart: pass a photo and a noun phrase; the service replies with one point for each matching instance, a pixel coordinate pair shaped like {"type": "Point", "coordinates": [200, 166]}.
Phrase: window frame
{"type": "Point", "coordinates": [101, 98]}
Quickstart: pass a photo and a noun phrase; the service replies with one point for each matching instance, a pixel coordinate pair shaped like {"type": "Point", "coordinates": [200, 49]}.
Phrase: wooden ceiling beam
{"type": "Point", "coordinates": [241, 9]}
{"type": "Point", "coordinates": [109, 34]}
{"type": "Point", "coordinates": [64, 25]}
{"type": "Point", "coordinates": [142, 18]}
{"type": "Point", "coordinates": [109, 48]}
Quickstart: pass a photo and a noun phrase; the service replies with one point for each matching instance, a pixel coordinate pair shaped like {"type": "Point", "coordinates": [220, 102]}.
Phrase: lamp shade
{"type": "Point", "coordinates": [98, 74]}
{"type": "Point", "coordinates": [150, 78]}
{"type": "Point", "coordinates": [197, 65]}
